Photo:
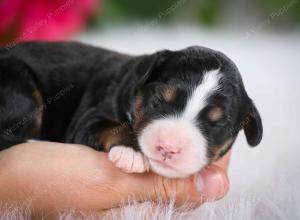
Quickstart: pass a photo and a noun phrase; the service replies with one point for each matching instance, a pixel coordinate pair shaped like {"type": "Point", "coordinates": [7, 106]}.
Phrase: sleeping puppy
{"type": "Point", "coordinates": [173, 112]}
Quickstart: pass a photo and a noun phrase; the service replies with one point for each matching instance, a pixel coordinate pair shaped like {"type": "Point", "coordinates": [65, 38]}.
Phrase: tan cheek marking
{"type": "Point", "coordinates": [139, 121]}
{"type": "Point", "coordinates": [138, 102]}
{"type": "Point", "coordinates": [169, 93]}
{"type": "Point", "coordinates": [138, 114]}
{"type": "Point", "coordinates": [215, 152]}
{"type": "Point", "coordinates": [215, 114]}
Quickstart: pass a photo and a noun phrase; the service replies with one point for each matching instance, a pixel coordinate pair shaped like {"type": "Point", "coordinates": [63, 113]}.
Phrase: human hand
{"type": "Point", "coordinates": [55, 176]}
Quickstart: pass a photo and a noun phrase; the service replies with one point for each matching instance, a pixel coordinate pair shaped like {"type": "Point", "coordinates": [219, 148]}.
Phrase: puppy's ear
{"type": "Point", "coordinates": [151, 66]}
{"type": "Point", "coordinates": [252, 125]}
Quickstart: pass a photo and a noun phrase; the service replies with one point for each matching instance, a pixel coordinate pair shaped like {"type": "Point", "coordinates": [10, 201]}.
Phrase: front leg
{"type": "Point", "coordinates": [119, 140]}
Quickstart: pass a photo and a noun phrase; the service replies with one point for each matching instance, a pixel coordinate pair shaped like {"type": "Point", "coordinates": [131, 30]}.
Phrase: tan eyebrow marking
{"type": "Point", "coordinates": [169, 93]}
{"type": "Point", "coordinates": [215, 114]}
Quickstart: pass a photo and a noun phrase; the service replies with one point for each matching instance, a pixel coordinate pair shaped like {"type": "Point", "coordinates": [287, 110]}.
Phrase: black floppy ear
{"type": "Point", "coordinates": [151, 66]}
{"type": "Point", "coordinates": [252, 125]}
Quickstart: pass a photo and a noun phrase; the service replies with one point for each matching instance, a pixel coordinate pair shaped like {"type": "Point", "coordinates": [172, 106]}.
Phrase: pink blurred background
{"type": "Point", "coordinates": [23, 20]}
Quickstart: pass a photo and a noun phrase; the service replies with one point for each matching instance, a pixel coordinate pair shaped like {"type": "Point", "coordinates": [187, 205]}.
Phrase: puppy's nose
{"type": "Point", "coordinates": [167, 152]}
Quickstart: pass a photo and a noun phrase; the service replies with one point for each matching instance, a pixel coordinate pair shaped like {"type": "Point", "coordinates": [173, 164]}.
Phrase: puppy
{"type": "Point", "coordinates": [173, 112]}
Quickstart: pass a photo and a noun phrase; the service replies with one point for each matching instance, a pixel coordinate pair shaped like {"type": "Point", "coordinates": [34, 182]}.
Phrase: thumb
{"type": "Point", "coordinates": [211, 183]}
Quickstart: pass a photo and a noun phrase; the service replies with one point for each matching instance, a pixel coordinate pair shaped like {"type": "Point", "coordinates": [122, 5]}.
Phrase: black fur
{"type": "Point", "coordinates": [88, 91]}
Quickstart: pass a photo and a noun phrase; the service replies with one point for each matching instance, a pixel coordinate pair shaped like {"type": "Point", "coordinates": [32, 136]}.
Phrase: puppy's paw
{"type": "Point", "coordinates": [128, 160]}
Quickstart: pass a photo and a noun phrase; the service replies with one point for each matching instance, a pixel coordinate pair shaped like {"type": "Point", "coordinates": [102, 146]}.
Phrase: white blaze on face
{"type": "Point", "coordinates": [175, 145]}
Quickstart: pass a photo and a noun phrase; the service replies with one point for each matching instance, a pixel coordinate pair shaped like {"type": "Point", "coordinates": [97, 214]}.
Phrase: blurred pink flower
{"type": "Point", "coordinates": [22, 20]}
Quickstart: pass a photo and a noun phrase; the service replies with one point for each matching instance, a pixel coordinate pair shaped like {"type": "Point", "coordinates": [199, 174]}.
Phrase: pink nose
{"type": "Point", "coordinates": [167, 152]}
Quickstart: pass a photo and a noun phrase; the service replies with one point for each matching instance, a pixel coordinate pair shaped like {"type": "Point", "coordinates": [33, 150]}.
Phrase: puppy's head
{"type": "Point", "coordinates": [188, 109]}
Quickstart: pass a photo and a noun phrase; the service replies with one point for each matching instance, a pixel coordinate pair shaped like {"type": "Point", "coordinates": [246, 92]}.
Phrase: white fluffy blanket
{"type": "Point", "coordinates": [279, 201]}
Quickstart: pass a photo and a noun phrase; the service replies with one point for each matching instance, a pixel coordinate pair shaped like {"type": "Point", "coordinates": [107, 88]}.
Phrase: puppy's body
{"type": "Point", "coordinates": [164, 104]}
{"type": "Point", "coordinates": [61, 72]}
